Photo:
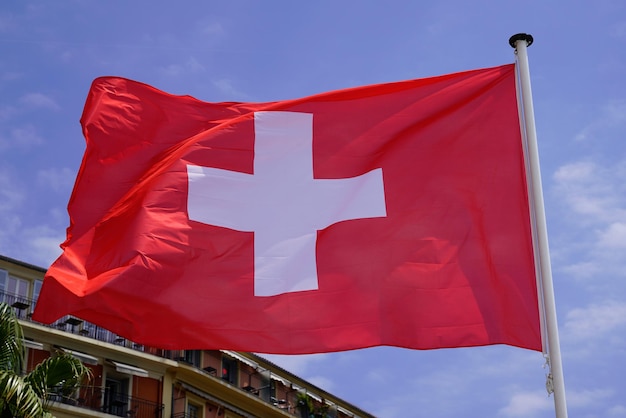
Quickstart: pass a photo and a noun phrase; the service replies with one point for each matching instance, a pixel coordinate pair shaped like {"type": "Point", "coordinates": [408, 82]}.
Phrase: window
{"type": "Point", "coordinates": [17, 287]}
{"type": "Point", "coordinates": [116, 396]}
{"type": "Point", "coordinates": [194, 411]}
{"type": "Point", "coordinates": [192, 357]}
{"type": "Point", "coordinates": [13, 289]}
{"type": "Point", "coordinates": [229, 370]}
{"type": "Point", "coordinates": [4, 284]}
{"type": "Point", "coordinates": [36, 289]}
{"type": "Point", "coordinates": [267, 389]}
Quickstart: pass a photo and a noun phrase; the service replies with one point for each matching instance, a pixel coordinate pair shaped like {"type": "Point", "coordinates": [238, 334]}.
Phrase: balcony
{"type": "Point", "coordinates": [22, 305]}
{"type": "Point", "coordinates": [112, 403]}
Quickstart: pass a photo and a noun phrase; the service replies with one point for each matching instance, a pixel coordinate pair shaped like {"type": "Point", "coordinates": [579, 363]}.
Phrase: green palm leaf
{"type": "Point", "coordinates": [27, 396]}
{"type": "Point", "coordinates": [61, 374]}
{"type": "Point", "coordinates": [17, 398]}
{"type": "Point", "coordinates": [11, 337]}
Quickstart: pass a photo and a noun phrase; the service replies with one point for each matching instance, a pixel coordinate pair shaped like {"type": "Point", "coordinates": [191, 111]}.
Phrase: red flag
{"type": "Point", "coordinates": [394, 214]}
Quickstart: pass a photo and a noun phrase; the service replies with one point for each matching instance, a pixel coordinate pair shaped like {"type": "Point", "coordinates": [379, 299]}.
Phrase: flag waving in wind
{"type": "Point", "coordinates": [394, 214]}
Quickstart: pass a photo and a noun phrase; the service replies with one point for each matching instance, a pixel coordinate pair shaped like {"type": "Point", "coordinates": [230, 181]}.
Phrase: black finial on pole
{"type": "Point", "coordinates": [521, 37]}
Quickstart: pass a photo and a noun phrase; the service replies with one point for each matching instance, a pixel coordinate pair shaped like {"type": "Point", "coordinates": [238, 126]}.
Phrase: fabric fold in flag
{"type": "Point", "coordinates": [393, 214]}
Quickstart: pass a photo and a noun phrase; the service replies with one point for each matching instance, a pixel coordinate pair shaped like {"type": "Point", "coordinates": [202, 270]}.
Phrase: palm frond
{"type": "Point", "coordinates": [11, 337]}
{"type": "Point", "coordinates": [27, 396]}
{"type": "Point", "coordinates": [62, 373]}
{"type": "Point", "coordinates": [17, 398]}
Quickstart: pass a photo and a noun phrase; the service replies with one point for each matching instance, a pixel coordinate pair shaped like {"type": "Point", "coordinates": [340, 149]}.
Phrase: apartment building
{"type": "Point", "coordinates": [132, 380]}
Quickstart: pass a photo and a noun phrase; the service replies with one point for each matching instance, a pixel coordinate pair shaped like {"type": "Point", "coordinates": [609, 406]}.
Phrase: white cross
{"type": "Point", "coordinates": [281, 202]}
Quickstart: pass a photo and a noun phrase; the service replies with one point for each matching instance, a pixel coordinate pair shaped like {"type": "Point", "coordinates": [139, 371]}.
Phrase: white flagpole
{"type": "Point", "coordinates": [555, 383]}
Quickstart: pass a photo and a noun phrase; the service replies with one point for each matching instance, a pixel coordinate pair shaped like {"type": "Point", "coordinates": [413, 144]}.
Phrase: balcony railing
{"type": "Point", "coordinates": [22, 305]}
{"type": "Point", "coordinates": [113, 403]}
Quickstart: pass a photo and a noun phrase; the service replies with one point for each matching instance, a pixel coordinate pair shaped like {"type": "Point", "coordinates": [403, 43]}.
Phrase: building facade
{"type": "Point", "coordinates": [132, 380]}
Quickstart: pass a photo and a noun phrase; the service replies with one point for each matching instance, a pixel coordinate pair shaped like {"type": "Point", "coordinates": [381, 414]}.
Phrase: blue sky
{"type": "Point", "coordinates": [263, 51]}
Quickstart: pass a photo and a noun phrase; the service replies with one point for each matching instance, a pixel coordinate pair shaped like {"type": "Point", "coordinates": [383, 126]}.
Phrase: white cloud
{"type": "Point", "coordinates": [191, 66]}
{"type": "Point", "coordinates": [227, 88]}
{"type": "Point", "coordinates": [172, 70]}
{"type": "Point", "coordinates": [533, 403]}
{"type": "Point", "coordinates": [41, 243]}
{"type": "Point", "coordinates": [37, 244]}
{"type": "Point", "coordinates": [194, 66]}
{"type": "Point", "coordinates": [211, 28]}
{"type": "Point", "coordinates": [58, 216]}
{"type": "Point", "coordinates": [11, 194]}
{"type": "Point", "coordinates": [614, 237]}
{"type": "Point", "coordinates": [527, 404]}
{"type": "Point", "coordinates": [6, 112]}
{"type": "Point", "coordinates": [11, 198]}
{"type": "Point", "coordinates": [593, 200]}
{"type": "Point", "coordinates": [21, 137]}
{"type": "Point", "coordinates": [322, 382]}
{"type": "Point", "coordinates": [379, 376]}
{"type": "Point", "coordinates": [58, 179]}
{"type": "Point", "coordinates": [478, 378]}
{"type": "Point", "coordinates": [617, 411]}
{"type": "Point", "coordinates": [296, 364]}
{"type": "Point", "coordinates": [583, 269]}
{"type": "Point", "coordinates": [595, 398]}
{"type": "Point", "coordinates": [591, 190]}
{"type": "Point", "coordinates": [10, 224]}
{"type": "Point", "coordinates": [39, 100]}
{"type": "Point", "coordinates": [613, 116]}
{"type": "Point", "coordinates": [595, 321]}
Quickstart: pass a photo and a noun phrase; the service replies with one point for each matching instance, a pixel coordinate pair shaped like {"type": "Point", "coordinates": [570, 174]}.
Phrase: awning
{"type": "Point", "coordinates": [128, 369]}
{"type": "Point", "coordinates": [285, 382]}
{"type": "Point", "coordinates": [314, 396]}
{"type": "Point", "coordinates": [344, 411]}
{"type": "Point", "coordinates": [85, 358]}
{"type": "Point", "coordinates": [200, 393]}
{"type": "Point", "coordinates": [241, 358]}
{"type": "Point", "coordinates": [32, 344]}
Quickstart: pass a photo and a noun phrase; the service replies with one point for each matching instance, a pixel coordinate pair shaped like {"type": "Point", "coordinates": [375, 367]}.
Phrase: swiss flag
{"type": "Point", "coordinates": [393, 214]}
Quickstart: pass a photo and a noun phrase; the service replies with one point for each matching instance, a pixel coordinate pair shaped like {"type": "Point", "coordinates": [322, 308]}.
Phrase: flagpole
{"type": "Point", "coordinates": [555, 383]}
